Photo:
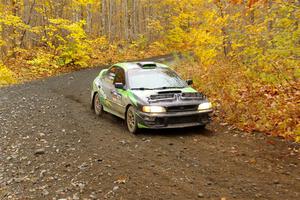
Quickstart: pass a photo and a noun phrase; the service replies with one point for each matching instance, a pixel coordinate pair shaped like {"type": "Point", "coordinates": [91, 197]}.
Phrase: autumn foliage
{"type": "Point", "coordinates": [6, 75]}
{"type": "Point", "coordinates": [245, 55]}
{"type": "Point", "coordinates": [247, 62]}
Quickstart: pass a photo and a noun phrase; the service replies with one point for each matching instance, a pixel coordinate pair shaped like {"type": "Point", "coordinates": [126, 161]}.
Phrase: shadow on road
{"type": "Point", "coordinates": [178, 132]}
{"type": "Point", "coordinates": [174, 132]}
{"type": "Point", "coordinates": [142, 133]}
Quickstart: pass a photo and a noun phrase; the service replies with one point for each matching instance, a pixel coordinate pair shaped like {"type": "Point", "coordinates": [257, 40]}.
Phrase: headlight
{"type": "Point", "coordinates": [153, 109]}
{"type": "Point", "coordinates": [205, 106]}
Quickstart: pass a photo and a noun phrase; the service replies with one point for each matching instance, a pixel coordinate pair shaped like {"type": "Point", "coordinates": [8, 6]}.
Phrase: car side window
{"type": "Point", "coordinates": [111, 73]}
{"type": "Point", "coordinates": [120, 76]}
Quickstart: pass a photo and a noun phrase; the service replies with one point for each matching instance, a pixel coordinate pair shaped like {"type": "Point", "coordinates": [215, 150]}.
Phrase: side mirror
{"type": "Point", "coordinates": [119, 86]}
{"type": "Point", "coordinates": [189, 82]}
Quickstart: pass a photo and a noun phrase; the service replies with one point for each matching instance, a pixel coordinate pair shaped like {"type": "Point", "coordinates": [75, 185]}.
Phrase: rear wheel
{"type": "Point", "coordinates": [97, 105]}
{"type": "Point", "coordinates": [131, 120]}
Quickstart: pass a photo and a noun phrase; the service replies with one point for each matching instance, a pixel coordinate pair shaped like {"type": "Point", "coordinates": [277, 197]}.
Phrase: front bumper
{"type": "Point", "coordinates": [173, 120]}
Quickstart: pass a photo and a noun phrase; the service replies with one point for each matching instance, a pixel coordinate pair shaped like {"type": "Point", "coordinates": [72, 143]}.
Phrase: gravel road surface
{"type": "Point", "coordinates": [53, 147]}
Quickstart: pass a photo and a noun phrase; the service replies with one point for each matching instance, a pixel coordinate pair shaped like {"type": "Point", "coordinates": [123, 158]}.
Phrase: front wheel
{"type": "Point", "coordinates": [131, 120]}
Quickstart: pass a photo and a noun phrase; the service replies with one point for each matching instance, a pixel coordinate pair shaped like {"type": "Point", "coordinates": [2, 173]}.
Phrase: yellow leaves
{"type": "Point", "coordinates": [43, 64]}
{"type": "Point", "coordinates": [155, 25]}
{"type": "Point", "coordinates": [104, 52]}
{"type": "Point", "coordinates": [285, 22]}
{"type": "Point", "coordinates": [68, 41]}
{"type": "Point", "coordinates": [297, 73]}
{"type": "Point", "coordinates": [83, 2]}
{"type": "Point", "coordinates": [270, 38]}
{"type": "Point", "coordinates": [2, 42]}
{"type": "Point", "coordinates": [212, 16]}
{"type": "Point", "coordinates": [6, 76]}
{"type": "Point", "coordinates": [184, 20]}
{"type": "Point", "coordinates": [60, 21]}
{"type": "Point", "coordinates": [74, 29]}
{"type": "Point", "coordinates": [247, 101]}
{"type": "Point", "coordinates": [207, 46]}
{"type": "Point", "coordinates": [196, 26]}
{"type": "Point", "coordinates": [206, 57]}
{"type": "Point", "coordinates": [157, 46]}
{"type": "Point", "coordinates": [176, 38]}
{"type": "Point", "coordinates": [101, 43]}
{"type": "Point", "coordinates": [13, 21]}
{"type": "Point", "coordinates": [297, 132]}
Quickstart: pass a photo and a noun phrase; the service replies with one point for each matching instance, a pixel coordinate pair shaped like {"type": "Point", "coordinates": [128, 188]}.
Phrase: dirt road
{"type": "Point", "coordinates": [53, 147]}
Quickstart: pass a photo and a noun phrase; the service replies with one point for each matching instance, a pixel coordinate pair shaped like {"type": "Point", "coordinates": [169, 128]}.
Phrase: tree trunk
{"type": "Point", "coordinates": [134, 19]}
{"type": "Point", "coordinates": [89, 18]}
{"type": "Point", "coordinates": [125, 19]}
{"type": "Point", "coordinates": [103, 17]}
{"type": "Point", "coordinates": [226, 39]}
{"type": "Point", "coordinates": [109, 20]}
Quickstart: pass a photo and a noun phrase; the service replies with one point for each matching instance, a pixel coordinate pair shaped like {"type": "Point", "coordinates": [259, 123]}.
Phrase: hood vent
{"type": "Point", "coordinates": [161, 97]}
{"type": "Point", "coordinates": [147, 65]}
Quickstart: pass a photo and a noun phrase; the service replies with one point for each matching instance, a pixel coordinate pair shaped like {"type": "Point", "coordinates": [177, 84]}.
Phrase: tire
{"type": "Point", "coordinates": [98, 108]}
{"type": "Point", "coordinates": [131, 120]}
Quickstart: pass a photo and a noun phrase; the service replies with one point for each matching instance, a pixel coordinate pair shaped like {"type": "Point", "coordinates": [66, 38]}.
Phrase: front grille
{"type": "Point", "coordinates": [182, 108]}
{"type": "Point", "coordinates": [183, 119]}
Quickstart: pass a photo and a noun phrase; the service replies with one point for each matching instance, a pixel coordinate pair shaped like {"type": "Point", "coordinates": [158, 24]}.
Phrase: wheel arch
{"type": "Point", "coordinates": [92, 103]}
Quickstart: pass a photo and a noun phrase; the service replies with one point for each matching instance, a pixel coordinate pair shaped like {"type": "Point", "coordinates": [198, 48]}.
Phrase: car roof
{"type": "Point", "coordinates": [139, 65]}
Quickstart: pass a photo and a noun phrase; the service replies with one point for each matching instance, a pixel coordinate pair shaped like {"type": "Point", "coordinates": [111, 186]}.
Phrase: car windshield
{"type": "Point", "coordinates": [159, 78]}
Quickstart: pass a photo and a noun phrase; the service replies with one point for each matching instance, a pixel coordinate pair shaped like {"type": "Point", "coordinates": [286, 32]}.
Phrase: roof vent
{"type": "Point", "coordinates": [147, 65]}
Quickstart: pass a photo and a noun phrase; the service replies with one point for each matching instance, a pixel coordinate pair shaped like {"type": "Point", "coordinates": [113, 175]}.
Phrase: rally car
{"type": "Point", "coordinates": [149, 95]}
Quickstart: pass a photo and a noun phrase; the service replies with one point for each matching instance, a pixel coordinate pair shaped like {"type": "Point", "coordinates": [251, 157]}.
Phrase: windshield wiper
{"type": "Point", "coordinates": [164, 88]}
{"type": "Point", "coordinates": [141, 88]}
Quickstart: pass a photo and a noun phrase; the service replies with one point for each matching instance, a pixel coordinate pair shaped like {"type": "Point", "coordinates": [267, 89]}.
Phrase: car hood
{"type": "Point", "coordinates": [186, 95]}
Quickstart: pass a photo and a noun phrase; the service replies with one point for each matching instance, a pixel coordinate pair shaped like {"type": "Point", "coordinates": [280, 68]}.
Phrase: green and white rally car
{"type": "Point", "coordinates": [149, 95]}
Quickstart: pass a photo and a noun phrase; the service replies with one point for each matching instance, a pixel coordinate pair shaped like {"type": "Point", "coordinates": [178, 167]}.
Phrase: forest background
{"type": "Point", "coordinates": [243, 54]}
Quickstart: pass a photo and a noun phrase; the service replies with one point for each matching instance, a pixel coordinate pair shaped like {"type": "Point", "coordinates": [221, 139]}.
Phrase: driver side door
{"type": "Point", "coordinates": [119, 95]}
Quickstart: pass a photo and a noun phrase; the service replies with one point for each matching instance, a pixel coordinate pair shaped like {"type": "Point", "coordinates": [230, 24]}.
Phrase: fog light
{"type": "Point", "coordinates": [149, 118]}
